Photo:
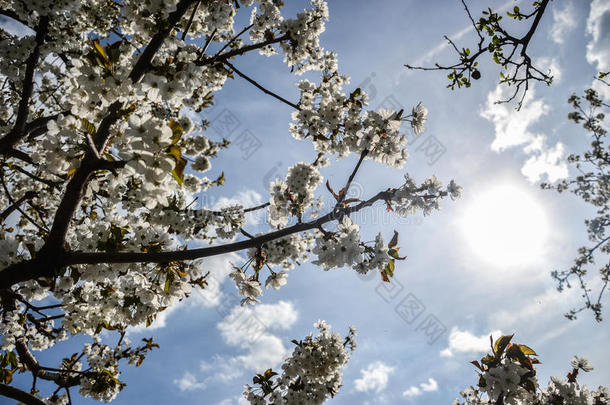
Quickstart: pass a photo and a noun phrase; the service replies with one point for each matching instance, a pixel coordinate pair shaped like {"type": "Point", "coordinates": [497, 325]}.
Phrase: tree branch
{"type": "Point", "coordinates": [345, 189]}
{"type": "Point", "coordinates": [258, 86]}
{"type": "Point", "coordinates": [240, 51]}
{"type": "Point", "coordinates": [163, 257]}
{"type": "Point", "coordinates": [143, 63]}
{"type": "Point", "coordinates": [15, 205]}
{"type": "Point", "coordinates": [21, 396]}
{"type": "Point", "coordinates": [50, 255]}
{"type": "Point", "coordinates": [11, 139]}
{"type": "Point", "coordinates": [30, 269]}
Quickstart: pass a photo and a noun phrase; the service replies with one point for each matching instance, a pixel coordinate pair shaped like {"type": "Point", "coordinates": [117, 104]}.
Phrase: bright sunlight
{"type": "Point", "coordinates": [506, 226]}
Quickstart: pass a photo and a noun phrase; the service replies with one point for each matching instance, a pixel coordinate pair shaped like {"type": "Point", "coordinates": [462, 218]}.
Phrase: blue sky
{"type": "Point", "coordinates": [207, 353]}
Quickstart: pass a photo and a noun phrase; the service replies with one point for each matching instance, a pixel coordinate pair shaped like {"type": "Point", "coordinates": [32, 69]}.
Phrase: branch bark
{"type": "Point", "coordinates": [30, 269]}
{"type": "Point", "coordinates": [21, 396]}
{"type": "Point", "coordinates": [18, 132]}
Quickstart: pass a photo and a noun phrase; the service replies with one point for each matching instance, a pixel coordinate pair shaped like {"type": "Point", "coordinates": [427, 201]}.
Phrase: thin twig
{"type": "Point", "coordinates": [258, 86]}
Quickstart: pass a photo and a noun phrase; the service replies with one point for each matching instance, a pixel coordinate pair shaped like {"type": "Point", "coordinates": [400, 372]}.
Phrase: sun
{"type": "Point", "coordinates": [505, 226]}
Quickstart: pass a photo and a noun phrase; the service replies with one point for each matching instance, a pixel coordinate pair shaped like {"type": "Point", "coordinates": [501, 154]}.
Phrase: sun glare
{"type": "Point", "coordinates": [506, 226]}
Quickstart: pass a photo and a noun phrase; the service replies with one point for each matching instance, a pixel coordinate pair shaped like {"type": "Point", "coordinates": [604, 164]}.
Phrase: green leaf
{"type": "Point", "coordinates": [528, 351]}
{"type": "Point", "coordinates": [178, 170]}
{"type": "Point", "coordinates": [168, 282]}
{"type": "Point", "coordinates": [501, 344]}
{"type": "Point", "coordinates": [88, 126]}
{"type": "Point", "coordinates": [100, 50]}
{"type": "Point", "coordinates": [12, 359]}
{"type": "Point", "coordinates": [177, 131]}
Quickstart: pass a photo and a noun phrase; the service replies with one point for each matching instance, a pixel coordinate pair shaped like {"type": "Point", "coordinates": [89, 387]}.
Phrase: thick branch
{"type": "Point", "coordinates": [525, 40]}
{"type": "Point", "coordinates": [143, 63]}
{"type": "Point", "coordinates": [21, 396]}
{"type": "Point", "coordinates": [37, 126]}
{"type": "Point", "coordinates": [162, 257]}
{"type": "Point", "coordinates": [7, 143]}
{"type": "Point", "coordinates": [30, 269]}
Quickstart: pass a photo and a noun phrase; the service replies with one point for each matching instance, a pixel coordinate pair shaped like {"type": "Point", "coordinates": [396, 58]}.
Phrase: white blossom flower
{"type": "Point", "coordinates": [581, 363]}
{"type": "Point", "coordinates": [418, 118]}
{"type": "Point", "coordinates": [276, 280]}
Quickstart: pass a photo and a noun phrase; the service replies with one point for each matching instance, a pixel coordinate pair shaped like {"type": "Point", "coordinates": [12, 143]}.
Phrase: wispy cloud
{"type": "Point", "coordinates": [512, 128]}
{"type": "Point", "coordinates": [249, 331]}
{"type": "Point", "coordinates": [598, 48]}
{"type": "Point", "coordinates": [188, 382]}
{"type": "Point", "coordinates": [564, 22]}
{"type": "Point", "coordinates": [415, 391]}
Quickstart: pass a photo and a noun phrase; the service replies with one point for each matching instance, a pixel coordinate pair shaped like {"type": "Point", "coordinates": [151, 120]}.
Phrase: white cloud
{"type": "Point", "coordinates": [537, 309]}
{"type": "Point", "coordinates": [466, 342]}
{"type": "Point", "coordinates": [249, 330]}
{"type": "Point", "coordinates": [414, 391]}
{"type": "Point", "coordinates": [598, 48]}
{"type": "Point", "coordinates": [374, 377]}
{"type": "Point", "coordinates": [511, 126]}
{"type": "Point", "coordinates": [189, 383]}
{"type": "Point", "coordinates": [512, 129]}
{"type": "Point", "coordinates": [431, 386]}
{"type": "Point", "coordinates": [548, 162]}
{"type": "Point", "coordinates": [234, 328]}
{"type": "Point", "coordinates": [564, 21]}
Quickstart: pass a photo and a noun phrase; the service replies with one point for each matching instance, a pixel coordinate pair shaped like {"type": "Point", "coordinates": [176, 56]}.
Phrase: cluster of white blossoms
{"type": "Point", "coordinates": [294, 195]}
{"type": "Point", "coordinates": [311, 375]}
{"type": "Point", "coordinates": [248, 286]}
{"type": "Point", "coordinates": [508, 376]}
{"type": "Point", "coordinates": [507, 379]}
{"type": "Point", "coordinates": [410, 198]}
{"type": "Point", "coordinates": [341, 248]}
{"type": "Point", "coordinates": [288, 251]}
{"type": "Point", "coordinates": [337, 123]}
